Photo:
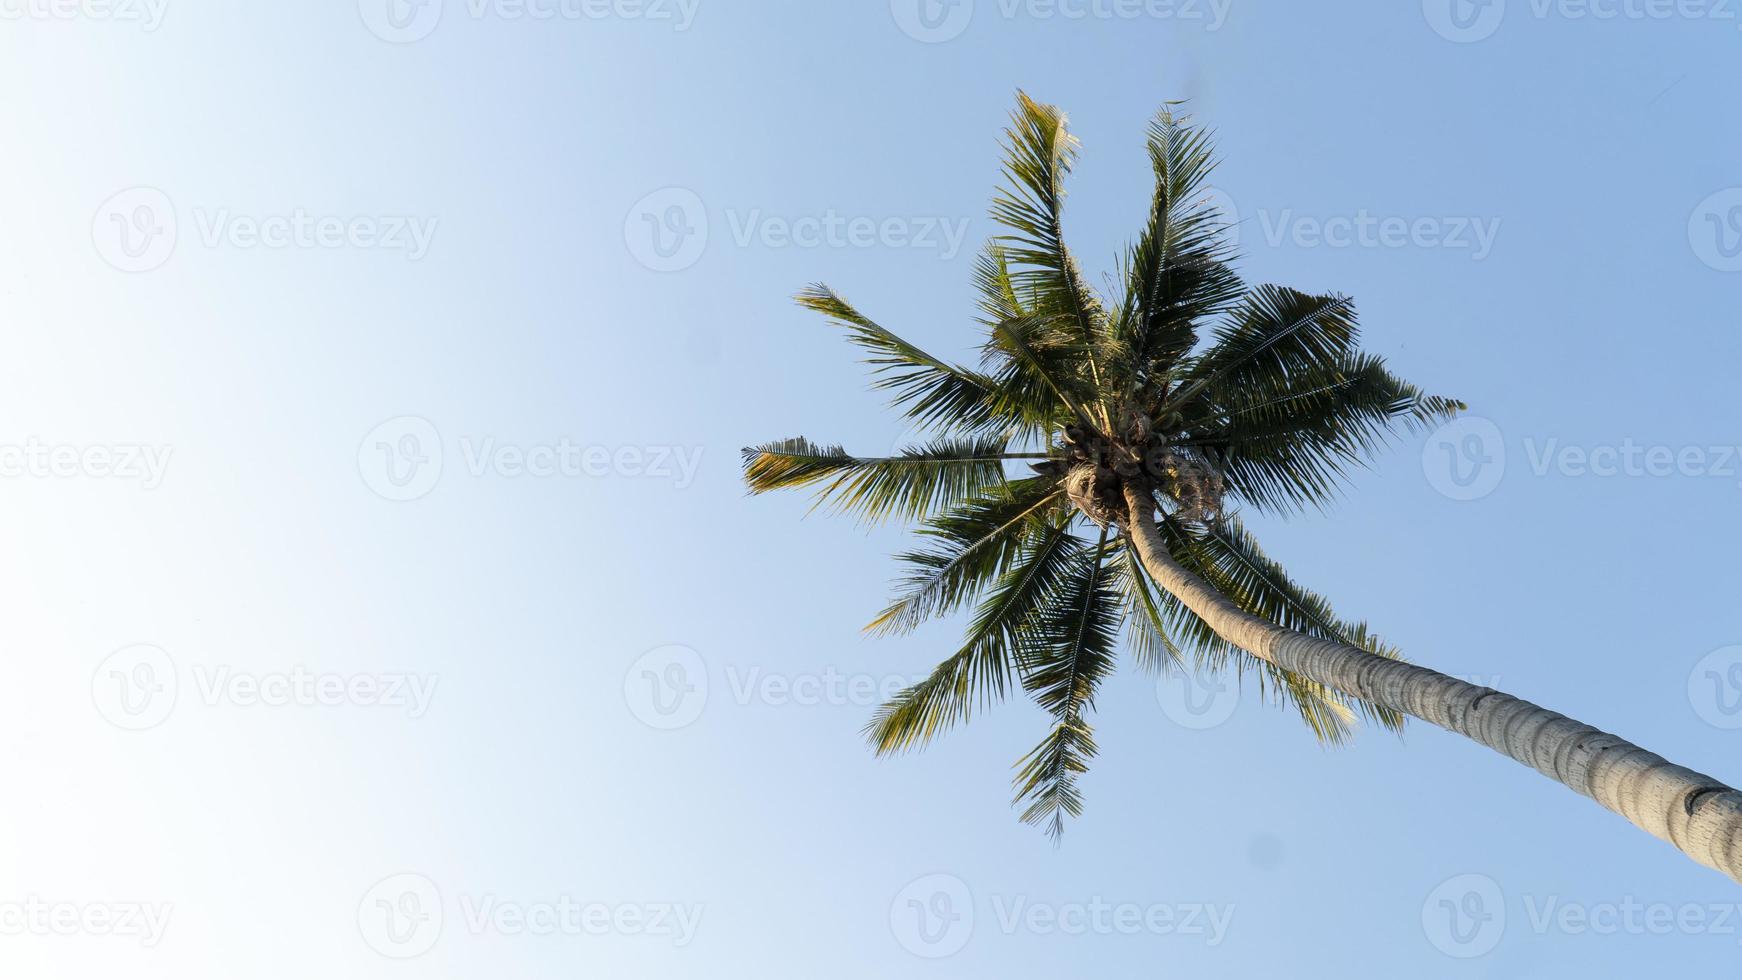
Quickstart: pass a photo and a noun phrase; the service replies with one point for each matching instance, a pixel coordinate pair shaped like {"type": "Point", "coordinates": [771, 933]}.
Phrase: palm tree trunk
{"type": "Point", "coordinates": [1696, 813]}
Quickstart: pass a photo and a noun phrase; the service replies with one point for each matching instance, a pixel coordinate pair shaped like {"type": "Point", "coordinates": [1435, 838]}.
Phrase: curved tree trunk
{"type": "Point", "coordinates": [1696, 813]}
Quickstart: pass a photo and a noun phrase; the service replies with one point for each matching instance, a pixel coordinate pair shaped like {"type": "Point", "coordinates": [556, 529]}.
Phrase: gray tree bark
{"type": "Point", "coordinates": [1698, 814]}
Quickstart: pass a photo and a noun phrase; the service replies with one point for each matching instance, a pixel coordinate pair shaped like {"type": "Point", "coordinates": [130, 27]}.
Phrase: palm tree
{"type": "Point", "coordinates": [1119, 413]}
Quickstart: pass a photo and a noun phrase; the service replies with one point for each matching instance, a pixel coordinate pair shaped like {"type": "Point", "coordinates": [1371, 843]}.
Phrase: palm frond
{"type": "Point", "coordinates": [1146, 629]}
{"type": "Point", "coordinates": [971, 545]}
{"type": "Point", "coordinates": [1177, 274]}
{"type": "Point", "coordinates": [1046, 778]}
{"type": "Point", "coordinates": [1039, 151]}
{"type": "Point", "coordinates": [1286, 441]}
{"type": "Point", "coordinates": [979, 672]}
{"type": "Point", "coordinates": [1038, 364]}
{"type": "Point", "coordinates": [1228, 557]}
{"type": "Point", "coordinates": [998, 298]}
{"type": "Point", "coordinates": [908, 486]}
{"type": "Point", "coordinates": [1275, 331]}
{"type": "Point", "coordinates": [1079, 634]}
{"type": "Point", "coordinates": [930, 390]}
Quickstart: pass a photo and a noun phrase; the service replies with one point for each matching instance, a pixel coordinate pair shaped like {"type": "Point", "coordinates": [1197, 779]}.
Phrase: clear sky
{"type": "Point", "coordinates": [376, 577]}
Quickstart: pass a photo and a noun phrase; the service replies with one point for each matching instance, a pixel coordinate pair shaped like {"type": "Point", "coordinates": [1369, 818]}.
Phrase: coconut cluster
{"type": "Point", "coordinates": [1094, 470]}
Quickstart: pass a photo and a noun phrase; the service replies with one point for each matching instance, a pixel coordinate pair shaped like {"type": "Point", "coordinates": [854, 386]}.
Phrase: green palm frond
{"type": "Point", "coordinates": [971, 545]}
{"type": "Point", "coordinates": [1074, 652]}
{"type": "Point", "coordinates": [1275, 330]}
{"type": "Point", "coordinates": [930, 390]}
{"type": "Point", "coordinates": [1177, 275]}
{"type": "Point", "coordinates": [998, 298]}
{"type": "Point", "coordinates": [1040, 364]}
{"type": "Point", "coordinates": [1046, 778]}
{"type": "Point", "coordinates": [1289, 441]}
{"type": "Point", "coordinates": [1004, 624]}
{"type": "Point", "coordinates": [1229, 558]}
{"type": "Point", "coordinates": [1039, 151]}
{"type": "Point", "coordinates": [1078, 636]}
{"type": "Point", "coordinates": [1147, 629]}
{"type": "Point", "coordinates": [909, 486]}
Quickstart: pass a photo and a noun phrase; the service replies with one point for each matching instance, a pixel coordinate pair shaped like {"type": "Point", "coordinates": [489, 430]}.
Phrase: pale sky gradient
{"type": "Point", "coordinates": [405, 459]}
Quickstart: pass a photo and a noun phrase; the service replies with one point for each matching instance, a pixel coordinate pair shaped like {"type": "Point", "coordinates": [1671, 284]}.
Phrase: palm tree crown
{"type": "Point", "coordinates": [1097, 395]}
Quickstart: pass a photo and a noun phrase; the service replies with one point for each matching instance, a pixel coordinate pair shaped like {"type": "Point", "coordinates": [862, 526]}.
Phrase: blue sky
{"type": "Point", "coordinates": [384, 601]}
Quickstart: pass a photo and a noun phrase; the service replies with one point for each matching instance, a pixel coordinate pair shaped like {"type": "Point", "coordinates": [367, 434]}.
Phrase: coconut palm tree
{"type": "Point", "coordinates": [1081, 484]}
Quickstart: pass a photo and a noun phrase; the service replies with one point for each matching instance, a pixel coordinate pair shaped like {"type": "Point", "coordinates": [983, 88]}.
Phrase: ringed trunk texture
{"type": "Point", "coordinates": [1698, 814]}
